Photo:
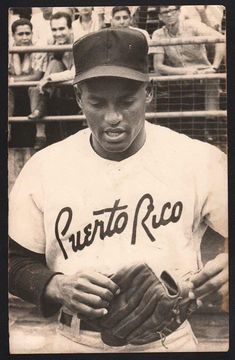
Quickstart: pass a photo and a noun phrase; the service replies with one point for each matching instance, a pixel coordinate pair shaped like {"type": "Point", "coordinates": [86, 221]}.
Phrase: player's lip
{"type": "Point", "coordinates": [114, 134]}
{"type": "Point", "coordinates": [116, 130]}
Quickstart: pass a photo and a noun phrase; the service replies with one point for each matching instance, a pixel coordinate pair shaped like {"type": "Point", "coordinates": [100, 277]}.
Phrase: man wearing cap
{"type": "Point", "coordinates": [121, 191]}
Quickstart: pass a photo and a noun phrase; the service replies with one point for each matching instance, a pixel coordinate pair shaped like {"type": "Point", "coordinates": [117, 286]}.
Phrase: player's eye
{"type": "Point", "coordinates": [127, 101]}
{"type": "Point", "coordinates": [96, 103]}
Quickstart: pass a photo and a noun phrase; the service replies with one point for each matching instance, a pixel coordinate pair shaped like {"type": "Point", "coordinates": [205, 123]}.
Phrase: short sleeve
{"type": "Point", "coordinates": [215, 207]}
{"type": "Point", "coordinates": [26, 225]}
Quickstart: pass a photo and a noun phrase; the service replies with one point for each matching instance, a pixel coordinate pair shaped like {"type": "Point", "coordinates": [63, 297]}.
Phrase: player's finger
{"type": "Point", "coordinates": [104, 281]}
{"type": "Point", "coordinates": [91, 288]}
{"type": "Point", "coordinates": [211, 269]}
{"type": "Point", "coordinates": [91, 300]}
{"type": "Point", "coordinates": [213, 284]}
{"type": "Point", "coordinates": [85, 311]}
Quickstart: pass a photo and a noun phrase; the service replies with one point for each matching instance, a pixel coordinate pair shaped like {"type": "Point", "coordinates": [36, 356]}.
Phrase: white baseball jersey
{"type": "Point", "coordinates": [84, 211]}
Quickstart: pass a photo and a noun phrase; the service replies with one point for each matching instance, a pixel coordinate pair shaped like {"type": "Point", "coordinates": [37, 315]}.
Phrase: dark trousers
{"type": "Point", "coordinates": [22, 134]}
{"type": "Point", "coordinates": [57, 100]}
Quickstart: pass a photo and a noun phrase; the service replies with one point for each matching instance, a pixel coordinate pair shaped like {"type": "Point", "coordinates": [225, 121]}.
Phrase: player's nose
{"type": "Point", "coordinates": [113, 117]}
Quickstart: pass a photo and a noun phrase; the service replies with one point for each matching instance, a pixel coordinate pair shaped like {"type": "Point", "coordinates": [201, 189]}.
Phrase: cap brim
{"type": "Point", "coordinates": [110, 70]}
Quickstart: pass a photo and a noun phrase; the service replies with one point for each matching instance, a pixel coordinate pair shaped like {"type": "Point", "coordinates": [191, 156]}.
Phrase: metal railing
{"type": "Point", "coordinates": [152, 43]}
{"type": "Point", "coordinates": [148, 116]}
{"type": "Point", "coordinates": [153, 77]}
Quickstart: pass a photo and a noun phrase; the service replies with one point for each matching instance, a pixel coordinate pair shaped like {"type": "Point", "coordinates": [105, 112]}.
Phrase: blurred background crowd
{"type": "Point", "coordinates": [65, 25]}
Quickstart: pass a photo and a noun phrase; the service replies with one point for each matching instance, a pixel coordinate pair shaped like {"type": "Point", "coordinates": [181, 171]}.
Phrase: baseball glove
{"type": "Point", "coordinates": [147, 309]}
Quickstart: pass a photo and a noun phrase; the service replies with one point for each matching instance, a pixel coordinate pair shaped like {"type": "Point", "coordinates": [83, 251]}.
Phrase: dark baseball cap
{"type": "Point", "coordinates": [111, 52]}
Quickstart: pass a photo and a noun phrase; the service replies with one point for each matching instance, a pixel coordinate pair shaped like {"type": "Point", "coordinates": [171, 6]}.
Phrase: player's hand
{"type": "Point", "coordinates": [86, 293]}
{"type": "Point", "coordinates": [213, 278]}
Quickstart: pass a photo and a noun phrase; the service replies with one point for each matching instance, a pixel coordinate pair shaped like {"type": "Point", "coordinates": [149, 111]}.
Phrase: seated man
{"type": "Point", "coordinates": [121, 18]}
{"type": "Point", "coordinates": [89, 20]}
{"type": "Point", "coordinates": [23, 67]}
{"type": "Point", "coordinates": [61, 28]}
{"type": "Point", "coordinates": [187, 59]}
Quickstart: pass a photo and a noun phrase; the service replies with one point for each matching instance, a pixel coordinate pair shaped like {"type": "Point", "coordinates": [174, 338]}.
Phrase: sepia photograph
{"type": "Point", "coordinates": [117, 179]}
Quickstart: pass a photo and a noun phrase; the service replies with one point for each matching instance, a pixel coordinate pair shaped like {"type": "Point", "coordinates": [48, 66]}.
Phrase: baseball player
{"type": "Point", "coordinates": [106, 225]}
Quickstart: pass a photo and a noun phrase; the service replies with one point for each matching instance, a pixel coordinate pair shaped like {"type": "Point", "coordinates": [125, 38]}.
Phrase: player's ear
{"type": "Point", "coordinates": [149, 92]}
{"type": "Point", "coordinates": [78, 95]}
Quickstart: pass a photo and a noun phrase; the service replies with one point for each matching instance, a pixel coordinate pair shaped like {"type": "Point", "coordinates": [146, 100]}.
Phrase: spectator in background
{"type": "Point", "coordinates": [108, 14]}
{"type": "Point", "coordinates": [14, 14]}
{"type": "Point", "coordinates": [121, 18]}
{"type": "Point", "coordinates": [211, 15]}
{"type": "Point", "coordinates": [61, 28]}
{"type": "Point", "coordinates": [68, 10]}
{"type": "Point", "coordinates": [88, 21]}
{"type": "Point", "coordinates": [184, 59]}
{"type": "Point", "coordinates": [187, 59]}
{"type": "Point", "coordinates": [41, 24]}
{"type": "Point", "coordinates": [23, 67]}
